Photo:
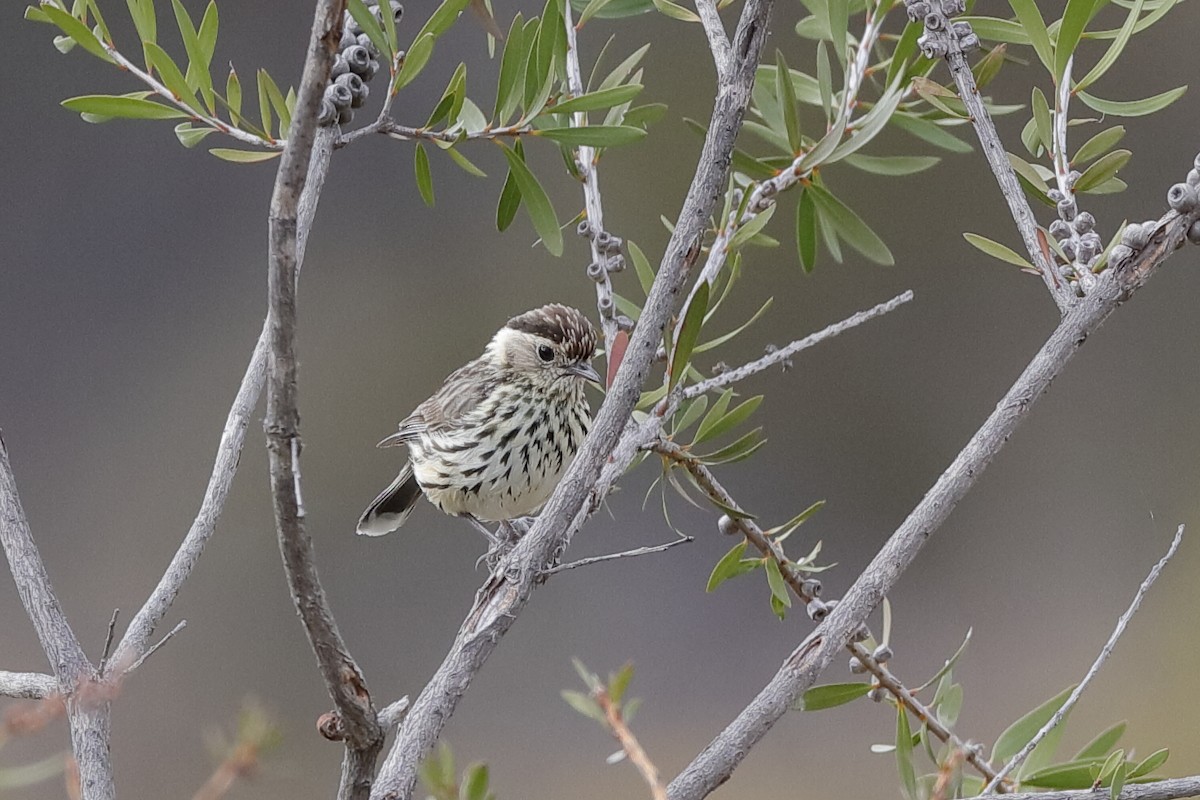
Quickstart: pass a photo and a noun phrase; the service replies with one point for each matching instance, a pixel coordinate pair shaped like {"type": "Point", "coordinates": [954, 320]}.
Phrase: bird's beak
{"type": "Point", "coordinates": [584, 370]}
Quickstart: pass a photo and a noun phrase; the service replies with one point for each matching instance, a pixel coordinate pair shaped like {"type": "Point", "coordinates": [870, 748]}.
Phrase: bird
{"type": "Point", "coordinates": [492, 443]}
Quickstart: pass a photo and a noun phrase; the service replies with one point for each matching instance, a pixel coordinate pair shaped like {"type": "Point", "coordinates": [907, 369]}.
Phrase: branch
{"type": "Point", "coordinates": [948, 44]}
{"type": "Point", "coordinates": [1066, 707]}
{"type": "Point", "coordinates": [505, 594]}
{"type": "Point", "coordinates": [605, 257]}
{"type": "Point", "coordinates": [714, 765]}
{"type": "Point", "coordinates": [718, 42]}
{"type": "Point", "coordinates": [634, 553]}
{"type": "Point", "coordinates": [343, 679]}
{"type": "Point", "coordinates": [73, 672]}
{"type": "Point", "coordinates": [27, 685]}
{"type": "Point", "coordinates": [630, 745]}
{"type": "Point", "coordinates": [784, 353]}
{"type": "Point", "coordinates": [1169, 789]}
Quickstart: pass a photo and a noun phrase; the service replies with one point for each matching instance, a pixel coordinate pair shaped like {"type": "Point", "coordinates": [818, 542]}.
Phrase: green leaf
{"type": "Point", "coordinates": [467, 165]}
{"type": "Point", "coordinates": [645, 115]}
{"type": "Point", "coordinates": [997, 30]}
{"type": "Point", "coordinates": [1023, 730]}
{"type": "Point", "coordinates": [806, 232]}
{"type": "Point", "coordinates": [870, 125]}
{"type": "Point", "coordinates": [512, 67]}
{"type": "Point", "coordinates": [264, 104]}
{"type": "Point", "coordinates": [414, 61]}
{"type": "Point", "coordinates": [593, 135]}
{"type": "Point", "coordinates": [949, 665]}
{"type": "Point", "coordinates": [75, 29]}
{"type": "Point", "coordinates": [541, 212]}
{"type": "Point", "coordinates": [1077, 774]}
{"type": "Point", "coordinates": [233, 95]}
{"type": "Point", "coordinates": [722, 339]}
{"type": "Point", "coordinates": [583, 704]}
{"type": "Point", "coordinates": [642, 266]}
{"type": "Point", "coordinates": [1118, 781]}
{"type": "Point", "coordinates": [198, 76]}
{"type": "Point", "coordinates": [892, 165]}
{"type": "Point", "coordinates": [189, 136]}
{"type": "Point", "coordinates": [730, 566]}
{"type": "Point", "coordinates": [142, 13]}
{"type": "Point", "coordinates": [741, 449]}
{"type": "Point", "coordinates": [618, 683]}
{"type": "Point", "coordinates": [987, 68]}
{"type": "Point", "coordinates": [781, 532]}
{"type": "Point", "coordinates": [1114, 50]}
{"type": "Point", "coordinates": [850, 227]}
{"type": "Point", "coordinates": [1150, 763]}
{"type": "Point", "coordinates": [689, 331]}
{"type": "Point", "coordinates": [715, 413]}
{"type": "Point", "coordinates": [1103, 743]}
{"type": "Point", "coordinates": [997, 250]}
{"type": "Point", "coordinates": [475, 782]}
{"type": "Point", "coordinates": [35, 14]}
{"type": "Point", "coordinates": [729, 421]}
{"type": "Point", "coordinates": [667, 8]}
{"type": "Point", "coordinates": [1074, 19]}
{"type": "Point", "coordinates": [615, 9]}
{"type": "Point", "coordinates": [1098, 145]}
{"type": "Point", "coordinates": [905, 48]}
{"type": "Point", "coordinates": [1041, 119]}
{"type": "Point", "coordinates": [904, 754]}
{"type": "Point", "coordinates": [603, 98]}
{"type": "Point", "coordinates": [423, 175]}
{"type": "Point", "coordinates": [690, 414]}
{"type": "Point", "coordinates": [105, 105]}
{"type": "Point", "coordinates": [787, 101]}
{"type": "Point", "coordinates": [244, 156]}
{"type": "Point", "coordinates": [1035, 28]}
{"type": "Point", "coordinates": [443, 18]}
{"type": "Point", "coordinates": [19, 777]}
{"type": "Point", "coordinates": [370, 26]}
{"type": "Point", "coordinates": [208, 32]}
{"type": "Point", "coordinates": [779, 589]}
{"type": "Point", "coordinates": [1132, 108]}
{"type": "Point", "coordinates": [1026, 170]}
{"type": "Point", "coordinates": [277, 101]}
{"type": "Point", "coordinates": [749, 230]}
{"type": "Point", "coordinates": [930, 132]}
{"type": "Point", "coordinates": [1104, 168]}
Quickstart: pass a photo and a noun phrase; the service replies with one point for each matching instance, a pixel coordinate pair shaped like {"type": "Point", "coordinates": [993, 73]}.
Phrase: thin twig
{"type": "Point", "coordinates": [154, 647]}
{"type": "Point", "coordinates": [714, 29]}
{"type": "Point", "coordinates": [342, 676]}
{"type": "Point", "coordinates": [1062, 171]}
{"type": "Point", "coordinates": [1073, 698]}
{"type": "Point", "coordinates": [630, 745]}
{"type": "Point", "coordinates": [637, 551]}
{"type": "Point", "coordinates": [1169, 789]}
{"type": "Point", "coordinates": [504, 595]}
{"type": "Point", "coordinates": [589, 176]}
{"type": "Point", "coordinates": [732, 376]}
{"type": "Point", "coordinates": [393, 714]}
{"type": "Point", "coordinates": [27, 685]}
{"type": "Point", "coordinates": [108, 640]}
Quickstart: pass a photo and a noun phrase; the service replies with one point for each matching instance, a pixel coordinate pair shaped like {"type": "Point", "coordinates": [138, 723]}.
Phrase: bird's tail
{"type": "Point", "coordinates": [391, 508]}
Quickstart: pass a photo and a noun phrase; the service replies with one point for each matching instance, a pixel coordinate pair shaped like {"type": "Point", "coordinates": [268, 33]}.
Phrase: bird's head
{"type": "Point", "coordinates": [548, 343]}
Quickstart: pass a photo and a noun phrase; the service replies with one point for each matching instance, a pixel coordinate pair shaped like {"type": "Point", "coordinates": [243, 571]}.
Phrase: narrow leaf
{"type": "Point", "coordinates": [806, 232]}
{"type": "Point", "coordinates": [1074, 19]}
{"type": "Point", "coordinates": [414, 61]}
{"type": "Point", "coordinates": [1098, 145]}
{"type": "Point", "coordinates": [730, 566]}
{"type": "Point", "coordinates": [997, 250]}
{"type": "Point", "coordinates": [1103, 743]}
{"type": "Point", "coordinates": [1020, 732]}
{"type": "Point", "coordinates": [603, 98]}
{"type": "Point", "coordinates": [1035, 28]}
{"type": "Point", "coordinates": [904, 754]}
{"type": "Point", "coordinates": [1132, 108]}
{"type": "Point", "coordinates": [423, 175]}
{"type": "Point", "coordinates": [1114, 50]}
{"type": "Point", "coordinates": [245, 156]}
{"type": "Point", "coordinates": [689, 331]}
{"type": "Point", "coordinates": [72, 27]}
{"type": "Point", "coordinates": [850, 226]}
{"type": "Point", "coordinates": [125, 107]}
{"type": "Point", "coordinates": [775, 581]}
{"type": "Point", "coordinates": [593, 135]}
{"type": "Point", "coordinates": [1104, 168]}
{"type": "Point", "coordinates": [541, 212]}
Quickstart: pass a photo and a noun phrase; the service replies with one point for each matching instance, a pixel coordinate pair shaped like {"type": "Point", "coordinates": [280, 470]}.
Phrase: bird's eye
{"type": "Point", "coordinates": [545, 353]}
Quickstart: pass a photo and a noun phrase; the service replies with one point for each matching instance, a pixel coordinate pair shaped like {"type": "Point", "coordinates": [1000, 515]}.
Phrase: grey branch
{"type": "Point", "coordinates": [1169, 789]}
{"type": "Point", "coordinates": [27, 685]}
{"type": "Point", "coordinates": [343, 679]}
{"type": "Point", "coordinates": [74, 674]}
{"type": "Point", "coordinates": [718, 41]}
{"type": "Point", "coordinates": [1073, 698]}
{"type": "Point", "coordinates": [503, 597]}
{"type": "Point", "coordinates": [714, 765]}
{"type": "Point", "coordinates": [634, 553]}
{"type": "Point", "coordinates": [782, 354]}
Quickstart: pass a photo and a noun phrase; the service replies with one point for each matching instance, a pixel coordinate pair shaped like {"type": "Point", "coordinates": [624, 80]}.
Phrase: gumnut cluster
{"type": "Point", "coordinates": [611, 260]}
{"type": "Point", "coordinates": [356, 63]}
{"type": "Point", "coordinates": [1075, 232]}
{"type": "Point", "coordinates": [1183, 198]}
{"type": "Point", "coordinates": [940, 31]}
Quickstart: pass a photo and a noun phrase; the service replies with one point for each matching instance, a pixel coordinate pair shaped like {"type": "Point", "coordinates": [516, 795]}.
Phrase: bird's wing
{"type": "Point", "coordinates": [461, 392]}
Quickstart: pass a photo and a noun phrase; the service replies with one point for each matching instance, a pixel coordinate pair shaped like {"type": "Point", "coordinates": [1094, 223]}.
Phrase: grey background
{"type": "Point", "coordinates": [132, 291]}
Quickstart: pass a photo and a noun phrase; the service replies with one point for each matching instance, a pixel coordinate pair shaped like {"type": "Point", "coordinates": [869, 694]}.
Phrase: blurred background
{"type": "Point", "coordinates": [133, 289]}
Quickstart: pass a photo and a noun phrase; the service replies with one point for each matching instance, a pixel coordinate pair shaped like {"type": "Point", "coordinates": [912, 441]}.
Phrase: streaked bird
{"type": "Point", "coordinates": [492, 443]}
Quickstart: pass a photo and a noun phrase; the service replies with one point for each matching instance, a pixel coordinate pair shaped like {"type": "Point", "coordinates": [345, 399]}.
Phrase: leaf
{"type": "Point", "coordinates": [75, 29]}
{"type": "Point", "coordinates": [1114, 50]}
{"type": "Point", "coordinates": [831, 695]}
{"type": "Point", "coordinates": [105, 105]}
{"type": "Point", "coordinates": [370, 26]}
{"type": "Point", "coordinates": [615, 9]}
{"type": "Point", "coordinates": [1099, 747]}
{"type": "Point", "coordinates": [667, 8]}
{"type": "Point", "coordinates": [1035, 28]}
{"type": "Point", "coordinates": [850, 226]}
{"type": "Point", "coordinates": [1041, 119]}
{"type": "Point", "coordinates": [690, 415]}
{"type": "Point", "coordinates": [142, 13]}
{"type": "Point", "coordinates": [641, 265]}
{"type": "Point", "coordinates": [244, 156]}
{"type": "Point", "coordinates": [467, 165]}
{"type": "Point", "coordinates": [722, 339]}
{"type": "Point", "coordinates": [870, 125]}
{"type": "Point", "coordinates": [904, 753]}
{"type": "Point", "coordinates": [423, 175]}
{"type": "Point", "coordinates": [714, 414]}
{"type": "Point", "coordinates": [512, 66]}
{"type": "Point", "coordinates": [208, 32]}
{"type": "Point", "coordinates": [1118, 781]}
{"type": "Point", "coordinates": [414, 61]}
{"type": "Point", "coordinates": [18, 777]}
{"type": "Point", "coordinates": [1026, 170]}
{"type": "Point", "coordinates": [997, 30]}
{"type": "Point", "coordinates": [1077, 774]}
{"type": "Point", "coordinates": [198, 76]}
{"type": "Point", "coordinates": [583, 704]}
{"type": "Point", "coordinates": [475, 783]}
{"type": "Point", "coordinates": [277, 101]}
{"type": "Point", "coordinates": [779, 589]}
{"type": "Point", "coordinates": [806, 232]}
{"type": "Point", "coordinates": [593, 135]}
{"type": "Point", "coordinates": [997, 250]}
{"type": "Point", "coordinates": [730, 566]}
{"type": "Point", "coordinates": [930, 132]}
{"type": "Point", "coordinates": [892, 165]}
{"type": "Point", "coordinates": [1098, 145]}
{"type": "Point", "coordinates": [905, 48]}
{"type": "Point", "coordinates": [1106, 167]}
{"type": "Point", "coordinates": [1075, 17]}
{"type": "Point", "coordinates": [741, 449]}
{"type": "Point", "coordinates": [189, 136]}
{"type": "Point", "coordinates": [747, 231]}
{"type": "Point", "coordinates": [537, 204]}
{"type": "Point", "coordinates": [786, 95]}
{"type": "Point", "coordinates": [603, 98]}
{"type": "Point", "coordinates": [728, 421]}
{"type": "Point", "coordinates": [689, 331]}
{"type": "Point", "coordinates": [1024, 729]}
{"type": "Point", "coordinates": [950, 705]}
{"type": "Point", "coordinates": [264, 104]}
{"type": "Point", "coordinates": [443, 18]}
{"type": "Point", "coordinates": [987, 68]}
{"type": "Point", "coordinates": [1132, 108]}
{"type": "Point", "coordinates": [233, 95]}
{"type": "Point", "coordinates": [1150, 763]}
{"type": "Point", "coordinates": [782, 532]}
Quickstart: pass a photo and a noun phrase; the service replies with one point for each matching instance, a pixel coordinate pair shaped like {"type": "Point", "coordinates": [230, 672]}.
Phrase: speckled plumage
{"type": "Point", "coordinates": [494, 440]}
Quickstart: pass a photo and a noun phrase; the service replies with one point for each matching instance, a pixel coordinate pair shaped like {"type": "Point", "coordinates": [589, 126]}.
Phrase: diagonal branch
{"type": "Point", "coordinates": [1105, 651]}
{"type": "Point", "coordinates": [1169, 789]}
{"type": "Point", "coordinates": [505, 594]}
{"type": "Point", "coordinates": [27, 685]}
{"type": "Point", "coordinates": [718, 42]}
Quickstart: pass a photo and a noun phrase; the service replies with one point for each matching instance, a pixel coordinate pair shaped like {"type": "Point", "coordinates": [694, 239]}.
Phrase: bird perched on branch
{"type": "Point", "coordinates": [492, 443]}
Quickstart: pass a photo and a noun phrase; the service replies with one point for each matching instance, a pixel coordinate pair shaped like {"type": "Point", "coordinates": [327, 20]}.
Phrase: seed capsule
{"type": "Point", "coordinates": [1193, 177]}
{"type": "Point", "coordinates": [857, 666]}
{"type": "Point", "coordinates": [727, 526]}
{"type": "Point", "coordinates": [817, 610]}
{"type": "Point", "coordinates": [345, 116]}
{"type": "Point", "coordinates": [584, 228]}
{"type": "Point", "coordinates": [1084, 222]}
{"type": "Point", "coordinates": [372, 69]}
{"type": "Point", "coordinates": [877, 694]}
{"type": "Point", "coordinates": [348, 39]}
{"type": "Point", "coordinates": [340, 67]}
{"type": "Point", "coordinates": [812, 586]}
{"type": "Point", "coordinates": [882, 654]}
{"type": "Point", "coordinates": [1193, 233]}
{"type": "Point", "coordinates": [366, 42]}
{"type": "Point", "coordinates": [616, 263]}
{"type": "Point", "coordinates": [339, 95]}
{"type": "Point", "coordinates": [595, 271]}
{"type": "Point", "coordinates": [328, 113]}
{"type": "Point", "coordinates": [1060, 230]}
{"type": "Point", "coordinates": [1134, 236]}
{"type": "Point", "coordinates": [1182, 198]}
{"type": "Point", "coordinates": [357, 58]}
